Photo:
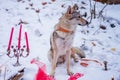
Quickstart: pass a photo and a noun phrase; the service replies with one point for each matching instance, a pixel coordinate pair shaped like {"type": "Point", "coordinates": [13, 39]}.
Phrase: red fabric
{"type": "Point", "coordinates": [75, 76]}
{"type": "Point", "coordinates": [41, 74]}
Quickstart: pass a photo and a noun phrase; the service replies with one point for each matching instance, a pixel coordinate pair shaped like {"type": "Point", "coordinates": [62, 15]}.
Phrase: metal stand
{"type": "Point", "coordinates": [17, 53]}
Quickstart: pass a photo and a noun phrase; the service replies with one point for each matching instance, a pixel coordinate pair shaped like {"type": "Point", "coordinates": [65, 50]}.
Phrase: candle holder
{"type": "Point", "coordinates": [17, 53]}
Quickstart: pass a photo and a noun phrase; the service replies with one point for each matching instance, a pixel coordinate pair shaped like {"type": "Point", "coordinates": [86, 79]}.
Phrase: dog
{"type": "Point", "coordinates": [62, 38]}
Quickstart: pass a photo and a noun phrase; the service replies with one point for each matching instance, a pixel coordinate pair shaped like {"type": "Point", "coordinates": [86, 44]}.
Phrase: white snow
{"type": "Point", "coordinates": [107, 41]}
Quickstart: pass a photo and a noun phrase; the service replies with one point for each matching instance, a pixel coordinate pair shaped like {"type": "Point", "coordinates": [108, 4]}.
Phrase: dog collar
{"type": "Point", "coordinates": [63, 30]}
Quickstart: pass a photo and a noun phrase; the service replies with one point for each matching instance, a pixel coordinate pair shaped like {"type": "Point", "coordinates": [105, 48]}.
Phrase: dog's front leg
{"type": "Point", "coordinates": [68, 56]}
{"type": "Point", "coordinates": [54, 64]}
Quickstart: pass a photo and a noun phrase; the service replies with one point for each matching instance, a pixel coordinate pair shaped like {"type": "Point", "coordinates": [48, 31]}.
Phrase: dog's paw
{"type": "Point", "coordinates": [76, 60]}
{"type": "Point", "coordinates": [70, 73]}
{"type": "Point", "coordinates": [52, 74]}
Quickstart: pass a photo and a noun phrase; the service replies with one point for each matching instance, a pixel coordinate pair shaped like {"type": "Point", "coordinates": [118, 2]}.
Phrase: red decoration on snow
{"type": "Point", "coordinates": [83, 64]}
{"type": "Point", "coordinates": [19, 50]}
{"type": "Point", "coordinates": [19, 38]}
{"type": "Point", "coordinates": [10, 40]}
{"type": "Point", "coordinates": [75, 76]}
{"type": "Point", "coordinates": [41, 74]}
{"type": "Point", "coordinates": [26, 38]}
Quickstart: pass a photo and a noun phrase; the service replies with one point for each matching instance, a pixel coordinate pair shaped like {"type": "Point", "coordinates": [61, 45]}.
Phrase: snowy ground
{"type": "Point", "coordinates": [99, 44]}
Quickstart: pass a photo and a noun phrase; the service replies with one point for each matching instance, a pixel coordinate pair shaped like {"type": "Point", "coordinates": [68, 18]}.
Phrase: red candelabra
{"type": "Point", "coordinates": [18, 51]}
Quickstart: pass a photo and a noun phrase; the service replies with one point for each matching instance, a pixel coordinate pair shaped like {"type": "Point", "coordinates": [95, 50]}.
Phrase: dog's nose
{"type": "Point", "coordinates": [87, 22]}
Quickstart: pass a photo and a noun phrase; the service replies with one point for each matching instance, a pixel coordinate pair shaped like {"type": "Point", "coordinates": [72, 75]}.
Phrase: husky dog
{"type": "Point", "coordinates": [62, 38]}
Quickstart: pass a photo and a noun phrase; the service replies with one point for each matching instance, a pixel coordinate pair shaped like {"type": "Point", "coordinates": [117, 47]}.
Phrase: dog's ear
{"type": "Point", "coordinates": [75, 7]}
{"type": "Point", "coordinates": [69, 10]}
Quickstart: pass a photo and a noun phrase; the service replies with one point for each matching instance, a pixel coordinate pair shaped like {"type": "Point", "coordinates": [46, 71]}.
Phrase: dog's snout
{"type": "Point", "coordinates": [85, 23]}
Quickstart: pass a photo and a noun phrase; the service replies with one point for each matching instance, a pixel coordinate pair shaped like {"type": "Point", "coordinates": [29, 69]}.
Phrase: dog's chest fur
{"type": "Point", "coordinates": [63, 41]}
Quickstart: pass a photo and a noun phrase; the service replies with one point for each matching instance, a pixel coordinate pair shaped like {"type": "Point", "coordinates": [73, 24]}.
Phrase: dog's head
{"type": "Point", "coordinates": [74, 16]}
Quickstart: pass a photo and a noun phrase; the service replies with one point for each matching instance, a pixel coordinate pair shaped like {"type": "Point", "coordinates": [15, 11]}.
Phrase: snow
{"type": "Point", "coordinates": [107, 41]}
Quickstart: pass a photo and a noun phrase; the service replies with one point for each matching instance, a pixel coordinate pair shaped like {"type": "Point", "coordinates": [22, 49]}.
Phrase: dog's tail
{"type": "Point", "coordinates": [77, 52]}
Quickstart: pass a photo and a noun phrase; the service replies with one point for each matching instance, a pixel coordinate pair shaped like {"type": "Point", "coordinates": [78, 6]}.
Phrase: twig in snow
{"type": "Point", "coordinates": [96, 31]}
{"type": "Point", "coordinates": [4, 63]}
{"type": "Point", "coordinates": [105, 65]}
{"type": "Point", "coordinates": [38, 11]}
{"type": "Point", "coordinates": [94, 10]}
{"type": "Point", "coordinates": [90, 11]}
{"type": "Point", "coordinates": [23, 22]}
{"type": "Point", "coordinates": [5, 73]}
{"type": "Point", "coordinates": [112, 78]}
{"type": "Point", "coordinates": [100, 13]}
{"type": "Point", "coordinates": [101, 27]}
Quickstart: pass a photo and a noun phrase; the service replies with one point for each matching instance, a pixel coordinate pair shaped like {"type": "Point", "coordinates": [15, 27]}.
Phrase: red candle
{"type": "Point", "coordinates": [26, 38]}
{"type": "Point", "coordinates": [10, 40]}
{"type": "Point", "coordinates": [19, 38]}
